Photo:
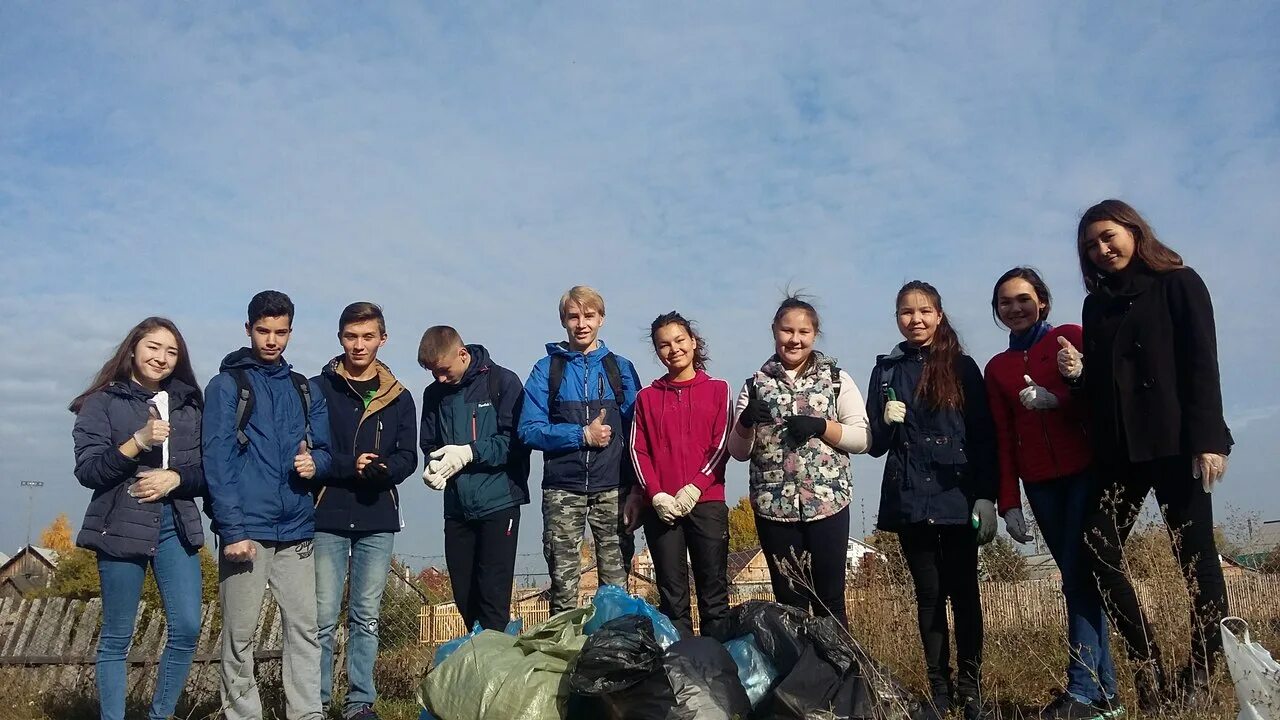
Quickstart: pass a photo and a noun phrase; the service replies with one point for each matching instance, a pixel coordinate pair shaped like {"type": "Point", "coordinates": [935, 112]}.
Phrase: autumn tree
{"type": "Point", "coordinates": [57, 536]}
{"type": "Point", "coordinates": [999, 560]}
{"type": "Point", "coordinates": [889, 566]}
{"type": "Point", "coordinates": [76, 576]}
{"type": "Point", "coordinates": [208, 581]}
{"type": "Point", "coordinates": [742, 526]}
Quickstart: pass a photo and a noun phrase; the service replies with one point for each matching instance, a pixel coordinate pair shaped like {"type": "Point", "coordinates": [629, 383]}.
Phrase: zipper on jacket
{"type": "Point", "coordinates": [474, 437]}
{"type": "Point", "coordinates": [586, 402]}
{"type": "Point", "coordinates": [1044, 424]}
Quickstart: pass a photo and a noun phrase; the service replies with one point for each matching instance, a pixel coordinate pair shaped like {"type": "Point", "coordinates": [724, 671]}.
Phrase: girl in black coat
{"type": "Point", "coordinates": [137, 445]}
{"type": "Point", "coordinates": [1155, 404]}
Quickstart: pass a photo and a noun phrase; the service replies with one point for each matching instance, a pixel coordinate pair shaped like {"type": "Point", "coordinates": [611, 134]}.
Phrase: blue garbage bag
{"type": "Point", "coordinates": [444, 651]}
{"type": "Point", "coordinates": [612, 602]}
{"type": "Point", "coordinates": [755, 670]}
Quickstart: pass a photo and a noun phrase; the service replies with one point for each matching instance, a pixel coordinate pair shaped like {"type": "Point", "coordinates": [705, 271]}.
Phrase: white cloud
{"type": "Point", "coordinates": [466, 165]}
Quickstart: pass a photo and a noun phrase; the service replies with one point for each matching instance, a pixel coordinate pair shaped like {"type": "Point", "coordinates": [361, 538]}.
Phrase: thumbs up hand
{"type": "Point", "coordinates": [302, 462]}
{"type": "Point", "coordinates": [1070, 360]}
{"type": "Point", "coordinates": [597, 434]}
{"type": "Point", "coordinates": [757, 411]}
{"type": "Point", "coordinates": [1036, 397]}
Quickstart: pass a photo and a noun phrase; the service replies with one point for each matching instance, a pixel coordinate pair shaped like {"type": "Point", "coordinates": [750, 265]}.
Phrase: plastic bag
{"type": "Point", "coordinates": [1255, 673]}
{"type": "Point", "coordinates": [819, 671]}
{"type": "Point", "coordinates": [623, 665]}
{"type": "Point", "coordinates": [446, 649]}
{"type": "Point", "coordinates": [755, 671]}
{"type": "Point", "coordinates": [611, 602]}
{"type": "Point", "coordinates": [498, 675]}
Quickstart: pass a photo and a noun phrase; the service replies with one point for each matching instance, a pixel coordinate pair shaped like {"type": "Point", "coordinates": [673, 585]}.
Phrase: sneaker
{"type": "Point", "coordinates": [364, 713]}
{"type": "Point", "coordinates": [1110, 708]}
{"type": "Point", "coordinates": [1152, 688]}
{"type": "Point", "coordinates": [929, 709]}
{"type": "Point", "coordinates": [973, 709]}
{"type": "Point", "coordinates": [1067, 707]}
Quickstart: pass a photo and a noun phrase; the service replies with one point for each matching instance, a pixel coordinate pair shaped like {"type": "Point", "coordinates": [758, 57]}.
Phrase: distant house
{"type": "Point", "coordinates": [29, 570]}
{"type": "Point", "coordinates": [1260, 545]}
{"type": "Point", "coordinates": [857, 551]}
{"type": "Point", "coordinates": [1041, 566]}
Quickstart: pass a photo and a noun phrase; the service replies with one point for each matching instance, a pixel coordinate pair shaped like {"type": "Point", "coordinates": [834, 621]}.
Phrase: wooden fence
{"type": "Point", "coordinates": [50, 644]}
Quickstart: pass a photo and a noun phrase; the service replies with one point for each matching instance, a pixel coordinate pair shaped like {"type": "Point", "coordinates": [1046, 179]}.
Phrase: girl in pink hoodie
{"type": "Point", "coordinates": [678, 446]}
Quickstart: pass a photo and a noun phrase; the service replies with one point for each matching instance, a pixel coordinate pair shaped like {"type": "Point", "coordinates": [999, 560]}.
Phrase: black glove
{"type": "Point", "coordinates": [802, 427]}
{"type": "Point", "coordinates": [757, 411]}
{"type": "Point", "coordinates": [376, 472]}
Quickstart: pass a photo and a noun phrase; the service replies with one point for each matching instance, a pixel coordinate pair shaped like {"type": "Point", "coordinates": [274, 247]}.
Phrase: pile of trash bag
{"type": "Point", "coordinates": [624, 666]}
{"type": "Point", "coordinates": [621, 659]}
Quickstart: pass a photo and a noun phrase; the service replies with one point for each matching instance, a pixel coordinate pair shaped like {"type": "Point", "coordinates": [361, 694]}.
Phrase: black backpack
{"type": "Point", "coordinates": [555, 377]}
{"type": "Point", "coordinates": [244, 403]}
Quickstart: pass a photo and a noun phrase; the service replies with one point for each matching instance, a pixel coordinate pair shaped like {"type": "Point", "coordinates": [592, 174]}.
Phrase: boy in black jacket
{"type": "Point", "coordinates": [372, 421]}
{"type": "Point", "coordinates": [469, 419]}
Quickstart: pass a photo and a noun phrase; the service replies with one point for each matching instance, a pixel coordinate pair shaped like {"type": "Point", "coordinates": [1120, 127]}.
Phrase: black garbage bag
{"type": "Point", "coordinates": [624, 668]}
{"type": "Point", "coordinates": [820, 671]}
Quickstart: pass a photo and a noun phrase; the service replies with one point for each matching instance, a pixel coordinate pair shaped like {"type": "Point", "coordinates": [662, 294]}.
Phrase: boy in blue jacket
{"type": "Point", "coordinates": [577, 411]}
{"type": "Point", "coordinates": [469, 418]}
{"type": "Point", "coordinates": [266, 440]}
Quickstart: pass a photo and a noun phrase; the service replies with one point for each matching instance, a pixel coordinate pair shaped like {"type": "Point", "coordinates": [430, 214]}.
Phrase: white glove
{"type": "Point", "coordinates": [452, 459]}
{"type": "Point", "coordinates": [687, 499]}
{"type": "Point", "coordinates": [1070, 360]}
{"type": "Point", "coordinates": [432, 477]}
{"type": "Point", "coordinates": [1036, 397]}
{"type": "Point", "coordinates": [1209, 468]}
{"type": "Point", "coordinates": [895, 411]}
{"type": "Point", "coordinates": [1016, 525]}
{"type": "Point", "coordinates": [666, 507]}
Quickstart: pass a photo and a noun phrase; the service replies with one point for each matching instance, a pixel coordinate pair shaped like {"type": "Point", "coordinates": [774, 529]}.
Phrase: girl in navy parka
{"type": "Point", "coordinates": [928, 411]}
{"type": "Point", "coordinates": [137, 446]}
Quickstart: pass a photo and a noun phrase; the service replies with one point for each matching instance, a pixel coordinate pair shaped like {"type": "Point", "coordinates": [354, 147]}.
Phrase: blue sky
{"type": "Point", "coordinates": [464, 164]}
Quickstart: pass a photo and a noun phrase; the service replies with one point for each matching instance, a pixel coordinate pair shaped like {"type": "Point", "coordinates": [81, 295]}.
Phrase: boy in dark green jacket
{"type": "Point", "coordinates": [469, 419]}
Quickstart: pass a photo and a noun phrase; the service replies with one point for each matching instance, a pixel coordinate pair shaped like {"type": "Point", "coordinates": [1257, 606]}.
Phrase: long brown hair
{"type": "Point", "coordinates": [119, 368]}
{"type": "Point", "coordinates": [939, 384]}
{"type": "Point", "coordinates": [1147, 247]}
{"type": "Point", "coordinates": [700, 356]}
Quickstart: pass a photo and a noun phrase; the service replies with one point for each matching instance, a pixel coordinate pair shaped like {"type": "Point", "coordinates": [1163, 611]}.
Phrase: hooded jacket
{"type": "Point", "coordinates": [679, 436]}
{"type": "Point", "coordinates": [482, 410]}
{"type": "Point", "coordinates": [555, 425]}
{"type": "Point", "coordinates": [940, 461]}
{"type": "Point", "coordinates": [116, 524]}
{"type": "Point", "coordinates": [349, 503]}
{"type": "Point", "coordinates": [1036, 445]}
{"type": "Point", "coordinates": [254, 492]}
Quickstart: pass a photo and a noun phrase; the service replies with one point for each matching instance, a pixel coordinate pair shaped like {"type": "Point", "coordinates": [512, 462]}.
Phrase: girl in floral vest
{"type": "Point", "coordinates": [798, 419]}
{"type": "Point", "coordinates": [929, 415]}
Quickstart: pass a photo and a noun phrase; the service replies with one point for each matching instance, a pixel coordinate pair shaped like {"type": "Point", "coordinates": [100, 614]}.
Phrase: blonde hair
{"type": "Point", "coordinates": [584, 297]}
{"type": "Point", "coordinates": [437, 342]}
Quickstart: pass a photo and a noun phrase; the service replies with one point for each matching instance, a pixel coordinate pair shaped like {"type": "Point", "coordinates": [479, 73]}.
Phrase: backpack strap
{"type": "Point", "coordinates": [303, 387]}
{"type": "Point", "coordinates": [614, 374]}
{"type": "Point", "coordinates": [244, 404]}
{"type": "Point", "coordinates": [555, 376]}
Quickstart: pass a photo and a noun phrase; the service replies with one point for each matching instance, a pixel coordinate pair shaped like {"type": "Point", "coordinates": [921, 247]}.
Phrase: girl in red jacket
{"type": "Point", "coordinates": [1041, 433]}
{"type": "Point", "coordinates": [678, 448]}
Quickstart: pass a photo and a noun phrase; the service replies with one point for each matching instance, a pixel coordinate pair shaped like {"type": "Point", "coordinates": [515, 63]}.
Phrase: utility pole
{"type": "Point", "coordinates": [31, 486]}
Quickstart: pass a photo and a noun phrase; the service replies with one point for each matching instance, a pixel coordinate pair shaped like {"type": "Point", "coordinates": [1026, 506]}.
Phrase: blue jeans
{"type": "Point", "coordinates": [1060, 507]}
{"type": "Point", "coordinates": [370, 561]}
{"type": "Point", "coordinates": [177, 571]}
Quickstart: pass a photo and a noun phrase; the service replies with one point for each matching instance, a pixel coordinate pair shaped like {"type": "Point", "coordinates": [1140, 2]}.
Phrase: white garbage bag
{"type": "Point", "coordinates": [1255, 673]}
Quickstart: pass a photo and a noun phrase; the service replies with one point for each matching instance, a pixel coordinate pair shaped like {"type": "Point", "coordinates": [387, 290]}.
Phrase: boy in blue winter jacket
{"type": "Point", "coordinates": [469, 418]}
{"type": "Point", "coordinates": [577, 411]}
{"type": "Point", "coordinates": [266, 440]}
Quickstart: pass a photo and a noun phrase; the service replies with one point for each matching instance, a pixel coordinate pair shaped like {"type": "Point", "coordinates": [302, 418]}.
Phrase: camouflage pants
{"type": "Point", "coordinates": [565, 516]}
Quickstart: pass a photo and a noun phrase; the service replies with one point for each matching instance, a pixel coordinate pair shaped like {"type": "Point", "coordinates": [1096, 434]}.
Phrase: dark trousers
{"type": "Point", "coordinates": [1188, 513]}
{"type": "Point", "coordinates": [481, 557]}
{"type": "Point", "coordinates": [703, 537]}
{"type": "Point", "coordinates": [943, 560]}
{"type": "Point", "coordinates": [807, 562]}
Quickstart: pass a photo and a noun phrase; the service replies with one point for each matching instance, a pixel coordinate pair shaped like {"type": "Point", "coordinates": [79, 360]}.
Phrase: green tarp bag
{"type": "Point", "coordinates": [500, 676]}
